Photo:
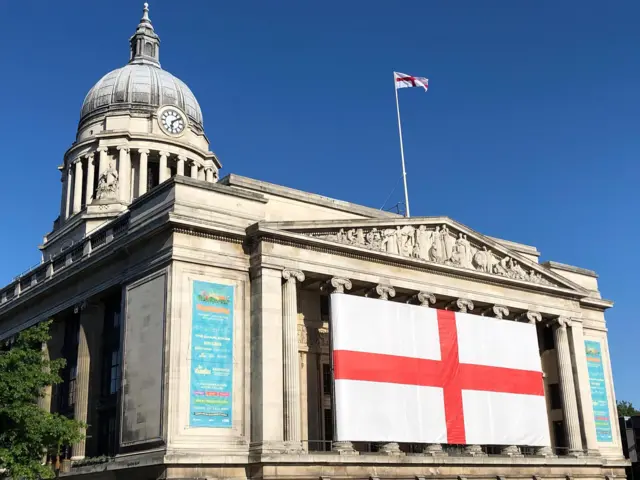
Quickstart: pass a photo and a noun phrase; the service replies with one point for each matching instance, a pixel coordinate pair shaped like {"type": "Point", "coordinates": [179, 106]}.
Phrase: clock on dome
{"type": "Point", "coordinates": [172, 120]}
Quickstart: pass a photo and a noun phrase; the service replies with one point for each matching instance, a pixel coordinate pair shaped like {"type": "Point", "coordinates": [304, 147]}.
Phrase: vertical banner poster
{"type": "Point", "coordinates": [211, 355]}
{"type": "Point", "coordinates": [598, 391]}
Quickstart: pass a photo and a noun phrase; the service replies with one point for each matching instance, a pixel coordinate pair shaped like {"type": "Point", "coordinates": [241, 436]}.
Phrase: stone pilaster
{"type": "Point", "coordinates": [180, 162]}
{"type": "Point", "coordinates": [124, 174]}
{"type": "Point", "coordinates": [567, 387]}
{"type": "Point", "coordinates": [291, 371]}
{"type": "Point", "coordinates": [267, 389]}
{"type": "Point", "coordinates": [163, 174]}
{"type": "Point", "coordinates": [143, 171]}
{"type": "Point", "coordinates": [68, 199]}
{"type": "Point", "coordinates": [77, 186]}
{"type": "Point", "coordinates": [90, 179]}
{"type": "Point", "coordinates": [209, 174]}
{"type": "Point", "coordinates": [91, 320]}
{"type": "Point", "coordinates": [194, 169]}
{"type": "Point", "coordinates": [339, 285]}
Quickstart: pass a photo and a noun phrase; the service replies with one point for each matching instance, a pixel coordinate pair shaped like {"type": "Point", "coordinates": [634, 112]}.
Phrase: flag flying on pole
{"type": "Point", "coordinates": [404, 81]}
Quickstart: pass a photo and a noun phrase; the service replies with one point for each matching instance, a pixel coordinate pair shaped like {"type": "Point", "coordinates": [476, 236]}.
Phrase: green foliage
{"type": "Point", "coordinates": [625, 409]}
{"type": "Point", "coordinates": [27, 431]}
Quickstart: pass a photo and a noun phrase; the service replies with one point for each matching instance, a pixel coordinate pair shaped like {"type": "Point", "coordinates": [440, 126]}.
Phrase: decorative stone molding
{"type": "Point", "coordinates": [303, 337]}
{"type": "Point", "coordinates": [530, 317]}
{"type": "Point", "coordinates": [500, 311]}
{"type": "Point", "coordinates": [436, 244]}
{"type": "Point", "coordinates": [562, 322]}
{"type": "Point", "coordinates": [463, 305]}
{"type": "Point", "coordinates": [339, 285]}
{"type": "Point", "coordinates": [384, 292]}
{"type": "Point", "coordinates": [425, 299]}
{"type": "Point", "coordinates": [292, 275]}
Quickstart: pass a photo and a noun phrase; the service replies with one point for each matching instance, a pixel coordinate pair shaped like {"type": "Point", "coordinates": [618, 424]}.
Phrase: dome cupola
{"type": "Point", "coordinates": [141, 87]}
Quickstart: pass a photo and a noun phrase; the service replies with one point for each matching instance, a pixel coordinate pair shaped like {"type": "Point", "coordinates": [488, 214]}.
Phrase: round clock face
{"type": "Point", "coordinates": [172, 121]}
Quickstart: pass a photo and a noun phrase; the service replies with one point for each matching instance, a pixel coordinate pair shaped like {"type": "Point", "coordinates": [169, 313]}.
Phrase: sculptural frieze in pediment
{"type": "Point", "coordinates": [436, 244]}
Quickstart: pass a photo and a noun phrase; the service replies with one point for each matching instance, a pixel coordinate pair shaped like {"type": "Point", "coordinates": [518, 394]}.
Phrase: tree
{"type": "Point", "coordinates": [625, 409]}
{"type": "Point", "coordinates": [27, 432]}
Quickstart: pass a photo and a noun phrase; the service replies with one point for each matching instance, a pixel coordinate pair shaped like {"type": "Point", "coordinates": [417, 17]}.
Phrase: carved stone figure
{"type": "Point", "coordinates": [107, 183]}
{"type": "Point", "coordinates": [423, 242]}
{"type": "Point", "coordinates": [438, 245]}
{"type": "Point", "coordinates": [391, 240]}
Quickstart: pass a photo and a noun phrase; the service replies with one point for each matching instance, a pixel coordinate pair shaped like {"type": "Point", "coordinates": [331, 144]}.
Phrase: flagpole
{"type": "Point", "coordinates": [404, 171]}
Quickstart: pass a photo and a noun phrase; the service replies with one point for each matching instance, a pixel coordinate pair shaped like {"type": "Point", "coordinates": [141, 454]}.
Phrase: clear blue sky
{"type": "Point", "coordinates": [529, 131]}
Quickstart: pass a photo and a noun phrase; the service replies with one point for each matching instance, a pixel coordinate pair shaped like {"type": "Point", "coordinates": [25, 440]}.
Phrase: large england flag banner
{"type": "Point", "coordinates": [407, 373]}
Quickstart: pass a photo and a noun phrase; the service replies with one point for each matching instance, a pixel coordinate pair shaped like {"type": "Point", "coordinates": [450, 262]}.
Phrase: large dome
{"type": "Point", "coordinates": [141, 87]}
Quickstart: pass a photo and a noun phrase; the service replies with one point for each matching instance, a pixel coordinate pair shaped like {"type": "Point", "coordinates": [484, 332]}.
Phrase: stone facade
{"type": "Point", "coordinates": [118, 275]}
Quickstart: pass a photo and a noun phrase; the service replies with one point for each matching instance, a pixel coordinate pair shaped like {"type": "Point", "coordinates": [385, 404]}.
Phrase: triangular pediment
{"type": "Point", "coordinates": [434, 240]}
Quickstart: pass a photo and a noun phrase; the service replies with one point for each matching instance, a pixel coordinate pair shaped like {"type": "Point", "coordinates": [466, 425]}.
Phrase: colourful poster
{"type": "Point", "coordinates": [211, 355]}
{"type": "Point", "coordinates": [598, 391]}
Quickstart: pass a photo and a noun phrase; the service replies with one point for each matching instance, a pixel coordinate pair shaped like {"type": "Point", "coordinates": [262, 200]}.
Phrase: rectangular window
{"type": "Point", "coordinates": [328, 428]}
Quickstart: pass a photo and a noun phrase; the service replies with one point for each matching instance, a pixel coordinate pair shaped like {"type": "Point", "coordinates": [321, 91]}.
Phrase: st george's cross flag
{"type": "Point", "coordinates": [403, 80]}
{"type": "Point", "coordinates": [407, 373]}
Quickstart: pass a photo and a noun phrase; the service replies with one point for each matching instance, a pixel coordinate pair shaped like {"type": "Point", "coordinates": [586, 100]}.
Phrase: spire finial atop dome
{"type": "Point", "coordinates": [145, 10]}
{"type": "Point", "coordinates": [145, 43]}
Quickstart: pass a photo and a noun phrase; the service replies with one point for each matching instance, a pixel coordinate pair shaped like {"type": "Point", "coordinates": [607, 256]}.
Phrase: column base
{"type": "Point", "coordinates": [474, 451]}
{"type": "Point", "coordinates": [390, 448]}
{"type": "Point", "coordinates": [268, 447]}
{"type": "Point", "coordinates": [545, 452]}
{"type": "Point", "coordinates": [576, 453]}
{"type": "Point", "coordinates": [293, 448]}
{"type": "Point", "coordinates": [344, 448]}
{"type": "Point", "coordinates": [511, 451]}
{"type": "Point", "coordinates": [434, 450]}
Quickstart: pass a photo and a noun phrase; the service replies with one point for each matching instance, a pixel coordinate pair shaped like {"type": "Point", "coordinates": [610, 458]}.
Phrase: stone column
{"type": "Point", "coordinates": [567, 387]}
{"type": "Point", "coordinates": [291, 370]}
{"type": "Point", "coordinates": [209, 175]}
{"type": "Point", "coordinates": [103, 161]}
{"type": "Point", "coordinates": [63, 197]}
{"type": "Point", "coordinates": [143, 171]}
{"type": "Point", "coordinates": [267, 389]}
{"type": "Point", "coordinates": [124, 173]}
{"type": "Point", "coordinates": [90, 178]}
{"type": "Point", "coordinates": [44, 402]}
{"type": "Point", "coordinates": [162, 169]}
{"type": "Point", "coordinates": [339, 285]}
{"type": "Point", "coordinates": [83, 368]}
{"type": "Point", "coordinates": [194, 169]}
{"type": "Point", "coordinates": [180, 162]}
{"type": "Point", "coordinates": [69, 188]}
{"type": "Point", "coordinates": [77, 186]}
{"type": "Point", "coordinates": [426, 299]}
{"type": "Point", "coordinates": [385, 292]}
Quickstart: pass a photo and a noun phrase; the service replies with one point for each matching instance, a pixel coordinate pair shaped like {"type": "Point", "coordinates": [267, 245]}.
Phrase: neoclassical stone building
{"type": "Point", "coordinates": [150, 245]}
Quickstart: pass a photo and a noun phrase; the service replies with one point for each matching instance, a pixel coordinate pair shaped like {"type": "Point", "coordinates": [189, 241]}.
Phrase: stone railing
{"type": "Point", "coordinates": [43, 272]}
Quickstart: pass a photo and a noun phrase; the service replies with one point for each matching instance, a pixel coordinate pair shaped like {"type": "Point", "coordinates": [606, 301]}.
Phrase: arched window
{"type": "Point", "coordinates": [148, 49]}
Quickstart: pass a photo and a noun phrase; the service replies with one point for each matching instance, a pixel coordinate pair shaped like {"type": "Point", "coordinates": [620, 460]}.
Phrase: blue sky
{"type": "Point", "coordinates": [529, 130]}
